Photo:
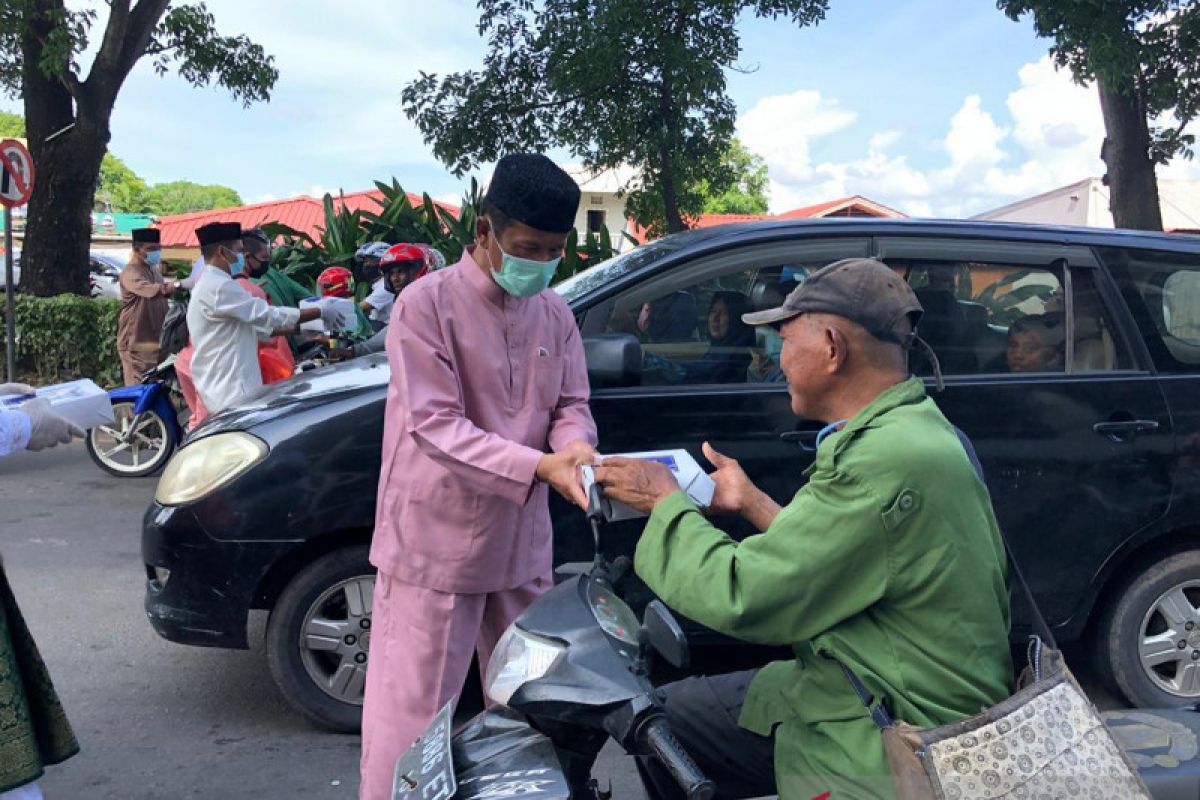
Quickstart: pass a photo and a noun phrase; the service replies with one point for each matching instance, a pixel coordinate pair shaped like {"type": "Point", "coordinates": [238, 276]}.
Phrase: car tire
{"type": "Point", "coordinates": [318, 636]}
{"type": "Point", "coordinates": [1138, 639]}
{"type": "Point", "coordinates": [101, 440]}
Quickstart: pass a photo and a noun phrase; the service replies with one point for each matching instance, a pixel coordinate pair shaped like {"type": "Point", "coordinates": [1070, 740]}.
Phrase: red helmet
{"type": "Point", "coordinates": [404, 256]}
{"type": "Point", "coordinates": [336, 282]}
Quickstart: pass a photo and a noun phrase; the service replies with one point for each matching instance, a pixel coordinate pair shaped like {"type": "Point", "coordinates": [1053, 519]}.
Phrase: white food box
{"type": "Point", "coordinates": [691, 477]}
{"type": "Point", "coordinates": [82, 402]}
{"type": "Point", "coordinates": [344, 306]}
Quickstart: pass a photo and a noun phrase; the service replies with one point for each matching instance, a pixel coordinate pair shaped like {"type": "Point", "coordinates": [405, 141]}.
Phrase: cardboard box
{"type": "Point", "coordinates": [692, 479]}
{"type": "Point", "coordinates": [344, 306]}
{"type": "Point", "coordinates": [82, 402]}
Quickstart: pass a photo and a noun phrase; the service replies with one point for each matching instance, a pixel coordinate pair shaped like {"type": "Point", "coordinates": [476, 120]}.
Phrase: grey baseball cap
{"type": "Point", "coordinates": [862, 290]}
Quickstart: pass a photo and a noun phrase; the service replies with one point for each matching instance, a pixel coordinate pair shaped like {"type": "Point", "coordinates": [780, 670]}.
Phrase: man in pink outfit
{"type": "Point", "coordinates": [487, 406]}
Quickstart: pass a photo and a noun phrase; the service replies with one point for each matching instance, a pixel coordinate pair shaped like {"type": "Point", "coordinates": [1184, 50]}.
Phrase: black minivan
{"type": "Point", "coordinates": [1092, 453]}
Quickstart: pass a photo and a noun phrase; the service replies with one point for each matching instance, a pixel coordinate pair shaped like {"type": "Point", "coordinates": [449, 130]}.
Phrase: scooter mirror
{"type": "Point", "coordinates": [661, 632]}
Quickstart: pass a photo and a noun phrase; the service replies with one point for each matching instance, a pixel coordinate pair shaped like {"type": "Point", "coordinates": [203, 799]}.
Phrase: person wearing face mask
{"type": "Point", "coordinates": [144, 295]}
{"type": "Point", "coordinates": [226, 322]}
{"type": "Point", "coordinates": [281, 289]}
{"type": "Point", "coordinates": [487, 408]}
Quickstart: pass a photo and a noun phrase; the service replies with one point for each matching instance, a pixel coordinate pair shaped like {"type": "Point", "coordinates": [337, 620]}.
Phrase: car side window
{"type": "Point", "coordinates": [692, 332]}
{"type": "Point", "coordinates": [1163, 290]}
{"type": "Point", "coordinates": [982, 317]}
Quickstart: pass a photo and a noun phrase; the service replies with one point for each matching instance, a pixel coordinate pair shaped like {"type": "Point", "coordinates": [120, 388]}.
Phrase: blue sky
{"type": "Point", "coordinates": [936, 107]}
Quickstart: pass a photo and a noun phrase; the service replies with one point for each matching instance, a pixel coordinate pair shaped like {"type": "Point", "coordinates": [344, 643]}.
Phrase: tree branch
{"type": "Point", "coordinates": [114, 38]}
{"type": "Point", "coordinates": [142, 23]}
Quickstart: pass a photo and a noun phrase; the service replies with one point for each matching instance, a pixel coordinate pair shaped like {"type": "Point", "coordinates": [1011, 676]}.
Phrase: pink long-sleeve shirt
{"type": "Point", "coordinates": [482, 384]}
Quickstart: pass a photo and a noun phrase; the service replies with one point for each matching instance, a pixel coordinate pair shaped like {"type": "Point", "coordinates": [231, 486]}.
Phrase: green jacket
{"type": "Point", "coordinates": [889, 559]}
{"type": "Point", "coordinates": [282, 289]}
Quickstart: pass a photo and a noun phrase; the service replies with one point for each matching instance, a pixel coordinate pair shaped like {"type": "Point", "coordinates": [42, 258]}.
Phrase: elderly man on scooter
{"type": "Point", "coordinates": [888, 560]}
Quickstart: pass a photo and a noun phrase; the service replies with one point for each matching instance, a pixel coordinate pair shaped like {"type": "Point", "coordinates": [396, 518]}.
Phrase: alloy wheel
{"type": "Point", "coordinates": [1169, 645]}
{"type": "Point", "coordinates": [335, 639]}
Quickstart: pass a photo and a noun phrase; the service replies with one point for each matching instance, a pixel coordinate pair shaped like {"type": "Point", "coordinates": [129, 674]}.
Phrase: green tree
{"type": "Point", "coordinates": [11, 125]}
{"type": "Point", "coordinates": [68, 111]}
{"type": "Point", "coordinates": [748, 193]}
{"type": "Point", "coordinates": [120, 189]}
{"type": "Point", "coordinates": [1144, 56]}
{"type": "Point", "coordinates": [180, 197]}
{"type": "Point", "coordinates": [613, 81]}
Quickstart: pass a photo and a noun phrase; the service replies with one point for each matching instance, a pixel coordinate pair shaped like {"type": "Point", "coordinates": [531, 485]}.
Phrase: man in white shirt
{"type": "Point", "coordinates": [226, 322]}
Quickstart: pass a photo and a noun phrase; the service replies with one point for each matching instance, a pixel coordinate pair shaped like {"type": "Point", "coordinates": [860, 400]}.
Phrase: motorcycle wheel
{"type": "Point", "coordinates": [135, 445]}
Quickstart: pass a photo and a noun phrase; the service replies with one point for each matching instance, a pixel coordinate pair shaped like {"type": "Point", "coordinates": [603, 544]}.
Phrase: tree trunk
{"type": "Point", "coordinates": [670, 194]}
{"type": "Point", "coordinates": [1133, 188]}
{"type": "Point", "coordinates": [58, 232]}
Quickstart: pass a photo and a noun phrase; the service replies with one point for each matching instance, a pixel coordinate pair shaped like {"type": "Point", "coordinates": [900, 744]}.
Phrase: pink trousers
{"type": "Point", "coordinates": [421, 646]}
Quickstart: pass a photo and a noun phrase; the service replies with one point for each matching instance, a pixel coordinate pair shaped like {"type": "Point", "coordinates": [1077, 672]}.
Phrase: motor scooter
{"type": "Point", "coordinates": [146, 427]}
{"type": "Point", "coordinates": [573, 671]}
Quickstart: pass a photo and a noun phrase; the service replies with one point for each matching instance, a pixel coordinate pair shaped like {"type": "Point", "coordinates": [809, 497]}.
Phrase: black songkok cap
{"type": "Point", "coordinates": [218, 232]}
{"type": "Point", "coordinates": [145, 236]}
{"type": "Point", "coordinates": [532, 189]}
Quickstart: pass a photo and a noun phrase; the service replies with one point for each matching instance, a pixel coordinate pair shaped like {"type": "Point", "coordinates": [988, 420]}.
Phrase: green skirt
{"type": "Point", "coordinates": [34, 731]}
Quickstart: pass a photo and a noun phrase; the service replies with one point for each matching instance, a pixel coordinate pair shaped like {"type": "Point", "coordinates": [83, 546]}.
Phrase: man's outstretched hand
{"type": "Point", "coordinates": [636, 483]}
{"type": "Point", "coordinates": [735, 493]}
{"type": "Point", "coordinates": [561, 470]}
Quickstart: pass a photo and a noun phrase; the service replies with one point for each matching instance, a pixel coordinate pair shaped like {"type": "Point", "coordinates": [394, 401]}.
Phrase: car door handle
{"type": "Point", "coordinates": [1115, 430]}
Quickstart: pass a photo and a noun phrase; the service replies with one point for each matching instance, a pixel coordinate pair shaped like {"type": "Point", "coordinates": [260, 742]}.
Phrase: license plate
{"type": "Point", "coordinates": [426, 771]}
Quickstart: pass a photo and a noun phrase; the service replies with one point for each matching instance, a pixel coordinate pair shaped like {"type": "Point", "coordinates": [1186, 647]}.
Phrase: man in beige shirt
{"type": "Point", "coordinates": [144, 295]}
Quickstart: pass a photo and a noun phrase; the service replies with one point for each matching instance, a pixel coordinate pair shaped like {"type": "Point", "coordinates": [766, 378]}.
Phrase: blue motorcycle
{"type": "Point", "coordinates": [146, 427]}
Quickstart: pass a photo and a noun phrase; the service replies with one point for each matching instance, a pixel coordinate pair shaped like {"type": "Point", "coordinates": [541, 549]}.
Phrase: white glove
{"type": "Point", "coordinates": [15, 388]}
{"type": "Point", "coordinates": [330, 316]}
{"type": "Point", "coordinates": [48, 428]}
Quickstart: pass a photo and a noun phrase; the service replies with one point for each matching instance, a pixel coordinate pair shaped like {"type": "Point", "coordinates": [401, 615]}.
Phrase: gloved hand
{"type": "Point", "coordinates": [330, 316]}
{"type": "Point", "coordinates": [15, 388]}
{"type": "Point", "coordinates": [48, 428]}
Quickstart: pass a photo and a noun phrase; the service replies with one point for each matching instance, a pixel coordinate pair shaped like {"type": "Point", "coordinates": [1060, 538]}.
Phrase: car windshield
{"type": "Point", "coordinates": [593, 278]}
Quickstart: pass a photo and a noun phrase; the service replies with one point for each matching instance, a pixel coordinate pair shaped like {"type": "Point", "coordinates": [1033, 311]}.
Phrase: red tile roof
{"type": "Point", "coordinates": [303, 213]}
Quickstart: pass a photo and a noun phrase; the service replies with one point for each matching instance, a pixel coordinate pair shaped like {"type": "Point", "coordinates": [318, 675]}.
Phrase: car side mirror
{"type": "Point", "coordinates": [613, 360]}
{"type": "Point", "coordinates": [661, 632]}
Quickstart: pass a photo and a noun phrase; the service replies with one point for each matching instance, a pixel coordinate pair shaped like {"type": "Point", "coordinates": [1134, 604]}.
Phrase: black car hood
{"type": "Point", "coordinates": [317, 387]}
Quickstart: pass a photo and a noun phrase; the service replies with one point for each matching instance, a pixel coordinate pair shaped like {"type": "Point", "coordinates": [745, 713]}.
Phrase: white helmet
{"type": "Point", "coordinates": [371, 250]}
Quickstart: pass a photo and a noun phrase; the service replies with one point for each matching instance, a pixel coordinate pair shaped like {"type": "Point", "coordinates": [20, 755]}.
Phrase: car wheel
{"type": "Point", "coordinates": [319, 637]}
{"type": "Point", "coordinates": [1148, 643]}
{"type": "Point", "coordinates": [134, 445]}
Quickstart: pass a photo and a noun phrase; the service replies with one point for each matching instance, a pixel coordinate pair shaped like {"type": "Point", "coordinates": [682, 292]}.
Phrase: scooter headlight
{"type": "Point", "coordinates": [206, 465]}
{"type": "Point", "coordinates": [519, 657]}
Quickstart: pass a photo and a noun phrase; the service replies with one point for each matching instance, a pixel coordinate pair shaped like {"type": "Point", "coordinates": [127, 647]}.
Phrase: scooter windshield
{"type": "Point", "coordinates": [612, 614]}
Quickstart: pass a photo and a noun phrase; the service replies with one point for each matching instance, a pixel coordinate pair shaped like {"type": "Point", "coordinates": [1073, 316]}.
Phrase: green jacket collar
{"type": "Point", "coordinates": [902, 394]}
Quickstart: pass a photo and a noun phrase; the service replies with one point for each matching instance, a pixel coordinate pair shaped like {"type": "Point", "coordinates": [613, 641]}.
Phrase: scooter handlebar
{"type": "Point", "coordinates": [661, 742]}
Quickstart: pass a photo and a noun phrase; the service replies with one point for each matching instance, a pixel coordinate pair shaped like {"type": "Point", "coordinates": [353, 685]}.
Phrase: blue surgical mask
{"type": "Point", "coordinates": [524, 277]}
{"type": "Point", "coordinates": [237, 266]}
{"type": "Point", "coordinates": [154, 258]}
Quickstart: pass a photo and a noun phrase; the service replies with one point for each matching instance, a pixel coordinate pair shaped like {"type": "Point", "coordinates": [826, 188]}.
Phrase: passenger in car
{"type": "Point", "coordinates": [764, 360]}
{"type": "Point", "coordinates": [1035, 344]}
{"type": "Point", "coordinates": [729, 346]}
{"type": "Point", "coordinates": [668, 319]}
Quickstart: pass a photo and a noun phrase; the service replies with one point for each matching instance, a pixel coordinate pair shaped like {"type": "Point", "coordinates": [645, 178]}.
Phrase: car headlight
{"type": "Point", "coordinates": [519, 657]}
{"type": "Point", "coordinates": [206, 465]}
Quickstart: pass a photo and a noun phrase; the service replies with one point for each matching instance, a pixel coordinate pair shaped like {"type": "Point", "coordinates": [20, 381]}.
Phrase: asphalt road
{"type": "Point", "coordinates": [155, 719]}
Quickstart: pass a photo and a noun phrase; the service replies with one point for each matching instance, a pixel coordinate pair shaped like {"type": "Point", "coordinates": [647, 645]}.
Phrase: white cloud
{"type": "Point", "coordinates": [1049, 137]}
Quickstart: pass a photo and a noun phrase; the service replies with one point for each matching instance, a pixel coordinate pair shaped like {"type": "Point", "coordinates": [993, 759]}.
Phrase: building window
{"type": "Point", "coordinates": [595, 221]}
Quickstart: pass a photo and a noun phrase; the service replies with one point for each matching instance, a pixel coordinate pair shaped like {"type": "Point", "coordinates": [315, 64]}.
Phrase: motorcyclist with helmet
{"type": "Point", "coordinates": [366, 258]}
{"type": "Point", "coordinates": [339, 282]}
{"type": "Point", "coordinates": [400, 265]}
